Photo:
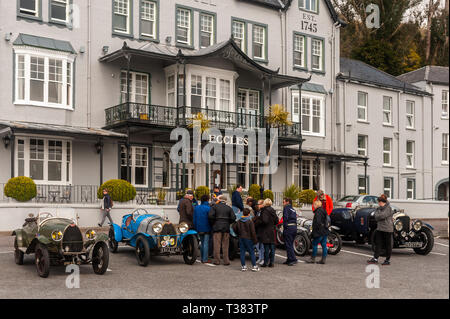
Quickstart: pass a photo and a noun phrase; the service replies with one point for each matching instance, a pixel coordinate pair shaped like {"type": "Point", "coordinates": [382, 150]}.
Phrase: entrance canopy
{"type": "Point", "coordinates": [330, 155]}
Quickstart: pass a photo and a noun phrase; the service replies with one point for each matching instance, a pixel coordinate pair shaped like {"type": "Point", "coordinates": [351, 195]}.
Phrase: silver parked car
{"type": "Point", "coordinates": [357, 201]}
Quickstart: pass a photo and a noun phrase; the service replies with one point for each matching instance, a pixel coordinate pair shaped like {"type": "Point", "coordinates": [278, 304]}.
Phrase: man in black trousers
{"type": "Point", "coordinates": [289, 230]}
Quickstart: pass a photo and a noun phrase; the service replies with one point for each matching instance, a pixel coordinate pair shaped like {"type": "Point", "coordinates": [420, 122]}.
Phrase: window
{"type": "Point", "coordinates": [387, 186]}
{"type": "Point", "coordinates": [139, 84]}
{"type": "Point", "coordinates": [248, 105]}
{"type": "Point", "coordinates": [59, 10]}
{"type": "Point", "coordinates": [225, 95]}
{"type": "Point", "coordinates": [410, 154]}
{"type": "Point", "coordinates": [211, 93]}
{"type": "Point", "coordinates": [259, 42]}
{"type": "Point", "coordinates": [313, 117]}
{"type": "Point", "coordinates": [206, 30]}
{"type": "Point", "coordinates": [445, 95]}
{"type": "Point", "coordinates": [310, 174]}
{"type": "Point", "coordinates": [387, 148]}
{"type": "Point", "coordinates": [299, 51]}
{"type": "Point", "coordinates": [363, 185]}
{"type": "Point", "coordinates": [171, 90]}
{"type": "Point", "coordinates": [121, 16]}
{"type": "Point", "coordinates": [29, 8]}
{"type": "Point", "coordinates": [196, 91]}
{"type": "Point", "coordinates": [184, 22]}
{"type": "Point", "coordinates": [309, 5]}
{"type": "Point", "coordinates": [239, 34]}
{"type": "Point", "coordinates": [242, 173]}
{"type": "Point", "coordinates": [317, 55]}
{"type": "Point", "coordinates": [44, 160]}
{"type": "Point", "coordinates": [362, 145]}
{"type": "Point", "coordinates": [166, 170]}
{"type": "Point", "coordinates": [411, 188]}
{"type": "Point", "coordinates": [445, 148]}
{"type": "Point", "coordinates": [138, 161]}
{"type": "Point", "coordinates": [43, 80]}
{"type": "Point", "coordinates": [410, 105]}
{"type": "Point", "coordinates": [148, 19]}
{"type": "Point", "coordinates": [362, 106]}
{"type": "Point", "coordinates": [387, 110]}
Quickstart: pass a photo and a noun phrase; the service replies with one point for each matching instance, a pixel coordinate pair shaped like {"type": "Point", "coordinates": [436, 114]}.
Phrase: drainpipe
{"type": "Point", "coordinates": [398, 143]}
{"type": "Point", "coordinates": [283, 48]}
{"type": "Point", "coordinates": [344, 97]}
{"type": "Point", "coordinates": [88, 79]}
{"type": "Point", "coordinates": [432, 141]}
{"type": "Point", "coordinates": [423, 148]}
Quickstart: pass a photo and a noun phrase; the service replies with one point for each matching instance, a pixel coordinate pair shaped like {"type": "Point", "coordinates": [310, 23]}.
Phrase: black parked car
{"type": "Point", "coordinates": [360, 226]}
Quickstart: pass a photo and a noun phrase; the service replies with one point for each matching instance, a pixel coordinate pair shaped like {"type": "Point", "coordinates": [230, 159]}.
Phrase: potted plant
{"type": "Point", "coordinates": [161, 196]}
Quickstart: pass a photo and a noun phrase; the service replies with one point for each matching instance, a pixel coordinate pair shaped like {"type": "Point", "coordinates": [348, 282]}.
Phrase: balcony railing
{"type": "Point", "coordinates": [167, 116]}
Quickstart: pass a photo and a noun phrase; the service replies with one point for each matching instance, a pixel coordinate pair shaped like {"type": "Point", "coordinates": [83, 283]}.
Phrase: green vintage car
{"type": "Point", "coordinates": [58, 240]}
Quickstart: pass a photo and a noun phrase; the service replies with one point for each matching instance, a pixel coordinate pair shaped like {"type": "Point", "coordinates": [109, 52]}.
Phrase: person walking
{"type": "Point", "coordinates": [202, 226]}
{"type": "Point", "coordinates": [186, 209]}
{"type": "Point", "coordinates": [269, 220]}
{"type": "Point", "coordinates": [107, 204]}
{"type": "Point", "coordinates": [236, 200]}
{"type": "Point", "coordinates": [327, 202]}
{"type": "Point", "coordinates": [385, 228]}
{"type": "Point", "coordinates": [221, 216]}
{"type": "Point", "coordinates": [319, 233]}
{"type": "Point", "coordinates": [257, 221]}
{"type": "Point", "coordinates": [289, 230]}
{"type": "Point", "coordinates": [245, 229]}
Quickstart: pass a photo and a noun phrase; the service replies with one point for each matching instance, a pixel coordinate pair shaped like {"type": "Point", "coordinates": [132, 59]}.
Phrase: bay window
{"type": "Point", "coordinates": [148, 19]}
{"type": "Point", "coordinates": [138, 163]}
{"type": "Point", "coordinates": [122, 16]}
{"type": "Point", "coordinates": [43, 80]}
{"type": "Point", "coordinates": [313, 114]}
{"type": "Point", "coordinates": [45, 160]}
{"type": "Point", "coordinates": [225, 95]}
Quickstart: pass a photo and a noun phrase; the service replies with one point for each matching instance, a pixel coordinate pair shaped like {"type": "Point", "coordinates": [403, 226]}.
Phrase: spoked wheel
{"type": "Point", "coordinates": [42, 260]}
{"type": "Point", "coordinates": [301, 244]}
{"type": "Point", "coordinates": [190, 250]}
{"type": "Point", "coordinates": [426, 236]}
{"type": "Point", "coordinates": [280, 238]}
{"type": "Point", "coordinates": [334, 243]}
{"type": "Point", "coordinates": [18, 254]}
{"type": "Point", "coordinates": [100, 258]}
{"type": "Point", "coordinates": [142, 251]}
{"type": "Point", "coordinates": [113, 244]}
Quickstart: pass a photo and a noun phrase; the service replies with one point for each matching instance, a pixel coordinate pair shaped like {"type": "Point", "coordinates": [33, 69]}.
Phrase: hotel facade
{"type": "Point", "coordinates": [69, 116]}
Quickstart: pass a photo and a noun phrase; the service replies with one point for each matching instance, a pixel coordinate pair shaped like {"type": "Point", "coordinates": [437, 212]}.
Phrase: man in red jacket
{"type": "Point", "coordinates": [327, 202]}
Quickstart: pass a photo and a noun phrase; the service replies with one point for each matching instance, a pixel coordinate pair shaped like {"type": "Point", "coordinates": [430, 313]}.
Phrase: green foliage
{"type": "Point", "coordinates": [231, 189]}
{"type": "Point", "coordinates": [268, 194]}
{"type": "Point", "coordinates": [307, 196]}
{"type": "Point", "coordinates": [255, 191]}
{"type": "Point", "coordinates": [200, 191]}
{"type": "Point", "coordinates": [20, 188]}
{"type": "Point", "coordinates": [119, 190]}
{"type": "Point", "coordinates": [161, 194]}
{"type": "Point", "coordinates": [292, 192]}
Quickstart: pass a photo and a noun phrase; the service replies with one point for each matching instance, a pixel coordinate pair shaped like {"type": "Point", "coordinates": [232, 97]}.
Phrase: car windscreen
{"type": "Point", "coordinates": [349, 199]}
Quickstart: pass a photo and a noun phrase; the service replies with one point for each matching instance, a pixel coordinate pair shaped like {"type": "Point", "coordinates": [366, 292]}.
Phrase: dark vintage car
{"type": "Point", "coordinates": [58, 241]}
{"type": "Point", "coordinates": [360, 226]}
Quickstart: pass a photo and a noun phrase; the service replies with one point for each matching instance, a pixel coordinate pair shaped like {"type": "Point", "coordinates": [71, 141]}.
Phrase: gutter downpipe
{"type": "Point", "coordinates": [333, 104]}
{"type": "Point", "coordinates": [423, 148]}
{"type": "Point", "coordinates": [283, 47]}
{"type": "Point", "coordinates": [432, 141]}
{"type": "Point", "coordinates": [88, 80]}
{"type": "Point", "coordinates": [398, 143]}
{"type": "Point", "coordinates": [344, 97]}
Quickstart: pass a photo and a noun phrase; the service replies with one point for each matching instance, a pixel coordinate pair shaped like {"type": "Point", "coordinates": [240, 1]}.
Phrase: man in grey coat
{"type": "Point", "coordinates": [385, 228]}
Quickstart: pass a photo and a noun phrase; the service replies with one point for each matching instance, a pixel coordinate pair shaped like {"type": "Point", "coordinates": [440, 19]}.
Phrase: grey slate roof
{"type": "Point", "coordinates": [271, 3]}
{"type": "Point", "coordinates": [311, 87]}
{"type": "Point", "coordinates": [364, 73]}
{"type": "Point", "coordinates": [41, 42]}
{"type": "Point", "coordinates": [430, 73]}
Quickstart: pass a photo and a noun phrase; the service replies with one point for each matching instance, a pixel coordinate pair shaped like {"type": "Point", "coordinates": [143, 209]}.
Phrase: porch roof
{"type": "Point", "coordinates": [332, 155]}
{"type": "Point", "coordinates": [226, 50]}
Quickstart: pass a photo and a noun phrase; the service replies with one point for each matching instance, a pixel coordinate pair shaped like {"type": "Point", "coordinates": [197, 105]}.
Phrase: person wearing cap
{"type": "Point", "coordinates": [327, 202]}
{"type": "Point", "coordinates": [221, 216]}
{"type": "Point", "coordinates": [289, 230]}
{"type": "Point", "coordinates": [385, 228]}
{"type": "Point", "coordinates": [186, 209]}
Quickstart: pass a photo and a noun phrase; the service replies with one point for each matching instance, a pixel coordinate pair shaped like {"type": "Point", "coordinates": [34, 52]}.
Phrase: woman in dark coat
{"type": "Point", "coordinates": [266, 232]}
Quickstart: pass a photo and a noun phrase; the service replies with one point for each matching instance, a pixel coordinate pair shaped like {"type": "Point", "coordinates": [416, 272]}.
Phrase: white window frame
{"type": "Point", "coordinates": [387, 111]}
{"type": "Point", "coordinates": [310, 96]}
{"type": "Point", "coordinates": [210, 32]}
{"type": "Point", "coordinates": [60, 2]}
{"type": "Point", "coordinates": [155, 18]}
{"type": "Point", "coordinates": [445, 153]}
{"type": "Point", "coordinates": [365, 149]}
{"type": "Point", "coordinates": [365, 189]}
{"type": "Point", "coordinates": [67, 60]}
{"type": "Point", "coordinates": [391, 182]}
{"type": "Point", "coordinates": [128, 15]}
{"type": "Point", "coordinates": [34, 13]}
{"type": "Point", "coordinates": [445, 101]}
{"type": "Point", "coordinates": [300, 47]}
{"type": "Point", "coordinates": [320, 54]}
{"type": "Point", "coordinates": [188, 28]}
{"type": "Point", "coordinates": [26, 159]}
{"type": "Point", "coordinates": [263, 43]}
{"type": "Point", "coordinates": [387, 151]}
{"type": "Point", "coordinates": [133, 165]}
{"type": "Point", "coordinates": [411, 115]}
{"type": "Point", "coordinates": [311, 175]}
{"type": "Point", "coordinates": [411, 190]}
{"type": "Point", "coordinates": [133, 86]}
{"type": "Point", "coordinates": [410, 157]}
{"type": "Point", "coordinates": [242, 37]}
{"type": "Point", "coordinates": [304, 4]}
{"type": "Point", "coordinates": [364, 107]}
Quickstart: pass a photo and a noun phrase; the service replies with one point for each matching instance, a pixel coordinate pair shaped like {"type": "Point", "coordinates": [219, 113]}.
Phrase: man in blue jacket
{"type": "Point", "coordinates": [236, 201]}
{"type": "Point", "coordinates": [202, 226]}
{"type": "Point", "coordinates": [289, 230]}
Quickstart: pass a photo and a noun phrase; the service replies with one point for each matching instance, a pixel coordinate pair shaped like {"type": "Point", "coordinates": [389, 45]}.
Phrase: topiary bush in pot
{"type": "Point", "coordinates": [200, 191]}
{"type": "Point", "coordinates": [119, 190]}
{"type": "Point", "coordinates": [255, 191]}
{"type": "Point", "coordinates": [307, 196]}
{"type": "Point", "coordinates": [268, 194]}
{"type": "Point", "coordinates": [20, 188]}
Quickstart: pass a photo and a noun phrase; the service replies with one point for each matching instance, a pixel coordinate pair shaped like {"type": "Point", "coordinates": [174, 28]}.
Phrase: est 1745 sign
{"type": "Point", "coordinates": [308, 23]}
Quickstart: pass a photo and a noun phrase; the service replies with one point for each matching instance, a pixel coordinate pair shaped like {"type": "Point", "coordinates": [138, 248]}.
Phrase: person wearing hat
{"type": "Point", "coordinates": [186, 209]}
{"type": "Point", "coordinates": [221, 216]}
{"type": "Point", "coordinates": [385, 228]}
{"type": "Point", "coordinates": [327, 202]}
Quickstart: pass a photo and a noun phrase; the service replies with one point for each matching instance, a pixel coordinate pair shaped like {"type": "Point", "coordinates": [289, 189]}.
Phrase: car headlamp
{"type": "Point", "coordinates": [157, 228]}
{"type": "Point", "coordinates": [172, 241]}
{"type": "Point", "coordinates": [57, 235]}
{"type": "Point", "coordinates": [398, 225]}
{"type": "Point", "coordinates": [183, 227]}
{"type": "Point", "coordinates": [417, 225]}
{"type": "Point", "coordinates": [90, 234]}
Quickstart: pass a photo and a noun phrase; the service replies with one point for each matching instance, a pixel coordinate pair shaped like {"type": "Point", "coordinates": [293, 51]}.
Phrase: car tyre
{"type": "Point", "coordinates": [190, 250]}
{"type": "Point", "coordinates": [427, 236]}
{"type": "Point", "coordinates": [42, 260]}
{"type": "Point", "coordinates": [335, 240]}
{"type": "Point", "coordinates": [18, 254]}
{"type": "Point", "coordinates": [301, 244]}
{"type": "Point", "coordinates": [142, 251]}
{"type": "Point", "coordinates": [100, 258]}
{"type": "Point", "coordinates": [113, 244]}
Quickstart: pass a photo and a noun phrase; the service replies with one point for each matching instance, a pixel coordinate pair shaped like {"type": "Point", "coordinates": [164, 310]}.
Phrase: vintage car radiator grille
{"type": "Point", "coordinates": [406, 221]}
{"type": "Point", "coordinates": [73, 239]}
{"type": "Point", "coordinates": [168, 229]}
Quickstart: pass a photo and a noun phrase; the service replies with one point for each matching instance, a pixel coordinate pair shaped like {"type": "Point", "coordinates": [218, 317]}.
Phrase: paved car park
{"type": "Point", "coordinates": [344, 276]}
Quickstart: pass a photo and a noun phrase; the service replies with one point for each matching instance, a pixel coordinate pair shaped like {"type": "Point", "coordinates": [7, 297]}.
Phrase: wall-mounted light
{"type": "Point", "coordinates": [6, 140]}
{"type": "Point", "coordinates": [105, 49]}
{"type": "Point", "coordinates": [98, 147]}
{"type": "Point", "coordinates": [82, 49]}
{"type": "Point", "coordinates": [8, 36]}
{"type": "Point", "coordinates": [168, 40]}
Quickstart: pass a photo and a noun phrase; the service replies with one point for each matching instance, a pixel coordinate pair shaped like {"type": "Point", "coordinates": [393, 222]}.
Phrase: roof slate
{"type": "Point", "coordinates": [46, 43]}
{"type": "Point", "coordinates": [431, 73]}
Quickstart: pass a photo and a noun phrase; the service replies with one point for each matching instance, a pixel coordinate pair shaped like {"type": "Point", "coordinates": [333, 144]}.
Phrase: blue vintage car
{"type": "Point", "coordinates": [153, 235]}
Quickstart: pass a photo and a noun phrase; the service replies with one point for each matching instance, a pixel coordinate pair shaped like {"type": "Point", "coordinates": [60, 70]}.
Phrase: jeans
{"type": "Point", "coordinates": [289, 235]}
{"type": "Point", "coordinates": [322, 240]}
{"type": "Point", "coordinates": [260, 247]}
{"type": "Point", "coordinates": [269, 253]}
{"type": "Point", "coordinates": [246, 245]}
{"type": "Point", "coordinates": [106, 214]}
{"type": "Point", "coordinates": [383, 239]}
{"type": "Point", "coordinates": [204, 246]}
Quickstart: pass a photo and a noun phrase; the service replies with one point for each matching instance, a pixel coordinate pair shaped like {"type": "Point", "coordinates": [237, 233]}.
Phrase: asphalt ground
{"type": "Point", "coordinates": [344, 276]}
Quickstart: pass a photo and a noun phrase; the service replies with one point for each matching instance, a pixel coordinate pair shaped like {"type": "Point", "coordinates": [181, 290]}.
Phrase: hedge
{"type": "Point", "coordinates": [20, 188]}
{"type": "Point", "coordinates": [119, 190]}
{"type": "Point", "coordinates": [200, 191]}
{"type": "Point", "coordinates": [306, 196]}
